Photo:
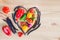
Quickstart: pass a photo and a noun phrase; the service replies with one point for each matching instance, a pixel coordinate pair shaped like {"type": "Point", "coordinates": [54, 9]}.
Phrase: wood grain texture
{"type": "Point", "coordinates": [50, 19]}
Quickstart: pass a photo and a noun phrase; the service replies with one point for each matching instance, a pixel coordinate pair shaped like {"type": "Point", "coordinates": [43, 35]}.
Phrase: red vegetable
{"type": "Point", "coordinates": [29, 20]}
{"type": "Point", "coordinates": [19, 13]}
{"type": "Point", "coordinates": [6, 9]}
{"type": "Point", "coordinates": [6, 30]}
{"type": "Point", "coordinates": [20, 34]}
{"type": "Point", "coordinates": [31, 10]}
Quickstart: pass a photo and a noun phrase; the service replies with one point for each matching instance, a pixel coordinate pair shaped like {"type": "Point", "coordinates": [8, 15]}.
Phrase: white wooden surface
{"type": "Point", "coordinates": [50, 19]}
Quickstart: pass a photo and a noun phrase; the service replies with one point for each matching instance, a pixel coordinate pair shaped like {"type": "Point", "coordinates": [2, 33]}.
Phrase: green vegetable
{"type": "Point", "coordinates": [33, 18]}
{"type": "Point", "coordinates": [23, 17]}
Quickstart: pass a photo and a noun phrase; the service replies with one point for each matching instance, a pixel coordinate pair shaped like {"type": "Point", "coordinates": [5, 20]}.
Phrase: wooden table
{"type": "Point", "coordinates": [50, 19]}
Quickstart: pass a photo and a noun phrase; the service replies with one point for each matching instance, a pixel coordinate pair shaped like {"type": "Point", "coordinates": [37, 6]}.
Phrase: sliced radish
{"type": "Point", "coordinates": [6, 30]}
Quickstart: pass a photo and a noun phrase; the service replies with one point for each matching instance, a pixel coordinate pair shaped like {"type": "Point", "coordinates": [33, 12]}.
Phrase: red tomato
{"type": "Point", "coordinates": [6, 9]}
{"type": "Point", "coordinates": [29, 20]}
{"type": "Point", "coordinates": [19, 13]}
{"type": "Point", "coordinates": [6, 30]}
{"type": "Point", "coordinates": [20, 34]}
{"type": "Point", "coordinates": [31, 10]}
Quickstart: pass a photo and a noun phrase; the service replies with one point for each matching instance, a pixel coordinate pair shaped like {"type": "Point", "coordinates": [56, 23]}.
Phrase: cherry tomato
{"type": "Point", "coordinates": [20, 34]}
{"type": "Point", "coordinates": [6, 9]}
{"type": "Point", "coordinates": [6, 30]}
{"type": "Point", "coordinates": [31, 10]}
{"type": "Point", "coordinates": [19, 13]}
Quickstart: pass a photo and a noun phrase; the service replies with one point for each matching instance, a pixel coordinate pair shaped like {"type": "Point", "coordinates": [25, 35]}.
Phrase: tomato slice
{"type": "Point", "coordinates": [6, 9]}
{"type": "Point", "coordinates": [6, 30]}
{"type": "Point", "coordinates": [19, 13]}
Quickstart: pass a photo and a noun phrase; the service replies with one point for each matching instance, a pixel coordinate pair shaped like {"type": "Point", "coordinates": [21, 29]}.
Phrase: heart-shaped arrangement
{"type": "Point", "coordinates": [26, 20]}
